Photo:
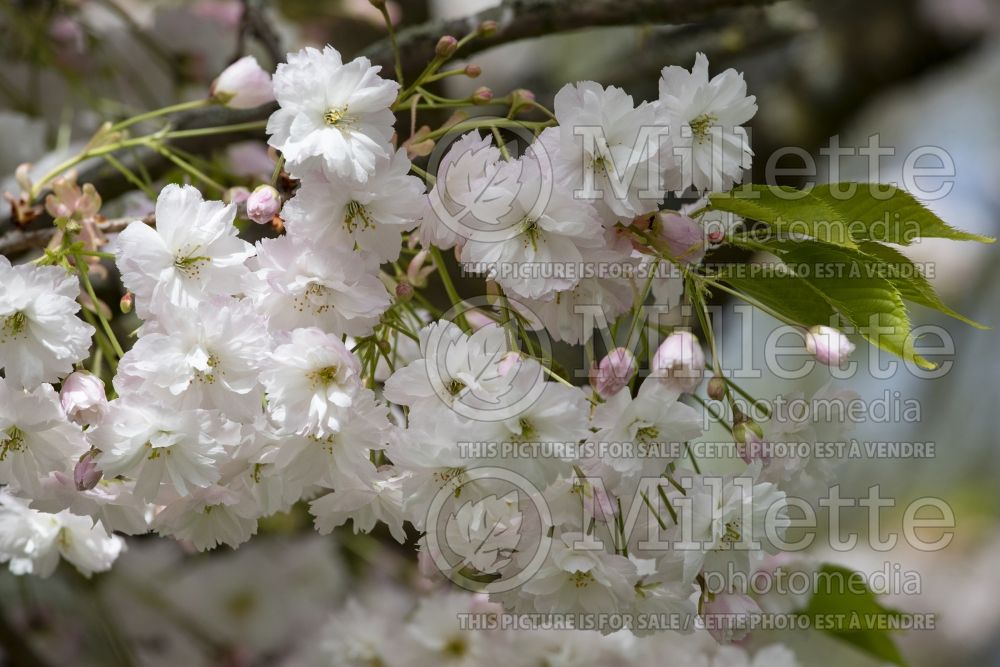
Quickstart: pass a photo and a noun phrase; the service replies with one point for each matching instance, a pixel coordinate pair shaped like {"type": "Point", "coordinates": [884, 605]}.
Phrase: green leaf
{"type": "Point", "coordinates": [786, 209]}
{"type": "Point", "coordinates": [780, 292]}
{"type": "Point", "coordinates": [911, 283]}
{"type": "Point", "coordinates": [843, 214]}
{"type": "Point", "coordinates": [852, 613]}
{"type": "Point", "coordinates": [869, 302]}
{"type": "Point", "coordinates": [893, 216]}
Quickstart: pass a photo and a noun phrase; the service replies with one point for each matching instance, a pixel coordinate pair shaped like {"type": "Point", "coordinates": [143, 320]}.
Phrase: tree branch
{"type": "Point", "coordinates": [516, 20]}
{"type": "Point", "coordinates": [19, 240]}
{"type": "Point", "coordinates": [524, 19]}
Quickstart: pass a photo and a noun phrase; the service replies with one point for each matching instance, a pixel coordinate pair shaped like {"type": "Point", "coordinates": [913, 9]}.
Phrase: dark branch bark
{"type": "Point", "coordinates": [19, 240]}
{"type": "Point", "coordinates": [523, 19]}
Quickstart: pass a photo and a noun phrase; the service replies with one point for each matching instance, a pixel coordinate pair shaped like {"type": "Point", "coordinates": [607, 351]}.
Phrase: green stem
{"type": "Point", "coordinates": [500, 143]}
{"type": "Point", "coordinates": [103, 344]}
{"type": "Point", "coordinates": [715, 415]}
{"type": "Point", "coordinates": [129, 175]}
{"type": "Point", "coordinates": [218, 129]}
{"type": "Point", "coordinates": [84, 270]}
{"type": "Point", "coordinates": [156, 113]}
{"type": "Point", "coordinates": [188, 167]}
{"type": "Point", "coordinates": [743, 392]}
{"type": "Point", "coordinates": [509, 325]}
{"type": "Point", "coordinates": [449, 286]}
{"type": "Point", "coordinates": [97, 253]}
{"type": "Point", "coordinates": [444, 75]}
{"type": "Point", "coordinates": [753, 302]}
{"type": "Point", "coordinates": [555, 376]}
{"type": "Point", "coordinates": [278, 166]}
{"type": "Point", "coordinates": [637, 309]}
{"type": "Point", "coordinates": [428, 178]}
{"type": "Point", "coordinates": [392, 40]}
{"type": "Point", "coordinates": [474, 124]}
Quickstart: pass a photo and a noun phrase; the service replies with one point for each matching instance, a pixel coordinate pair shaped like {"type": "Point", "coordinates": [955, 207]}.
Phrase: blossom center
{"type": "Point", "coordinates": [528, 430]}
{"type": "Point", "coordinates": [208, 375]}
{"type": "Point", "coordinates": [599, 165]}
{"type": "Point", "coordinates": [647, 434]}
{"type": "Point", "coordinates": [701, 126]}
{"type": "Point", "coordinates": [324, 377]}
{"type": "Point", "coordinates": [455, 387]}
{"type": "Point", "coordinates": [450, 476]}
{"type": "Point", "coordinates": [313, 298]}
{"type": "Point", "coordinates": [14, 442]}
{"type": "Point", "coordinates": [582, 579]}
{"type": "Point", "coordinates": [531, 231]}
{"type": "Point", "coordinates": [336, 116]}
{"type": "Point", "coordinates": [455, 647]}
{"type": "Point", "coordinates": [356, 215]}
{"type": "Point", "coordinates": [13, 326]}
{"type": "Point", "coordinates": [326, 443]}
{"type": "Point", "coordinates": [732, 534]}
{"type": "Point", "coordinates": [190, 265]}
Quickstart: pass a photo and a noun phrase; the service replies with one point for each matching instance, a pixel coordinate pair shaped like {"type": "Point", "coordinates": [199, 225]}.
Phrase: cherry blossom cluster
{"type": "Point", "coordinates": [467, 629]}
{"type": "Point", "coordinates": [298, 370]}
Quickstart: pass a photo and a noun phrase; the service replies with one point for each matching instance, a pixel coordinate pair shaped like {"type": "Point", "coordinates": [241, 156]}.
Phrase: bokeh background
{"type": "Point", "coordinates": [915, 72]}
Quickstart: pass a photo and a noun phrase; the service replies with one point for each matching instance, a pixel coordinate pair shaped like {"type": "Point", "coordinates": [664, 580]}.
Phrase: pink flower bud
{"type": "Point", "coordinates": [128, 300]}
{"type": "Point", "coordinates": [446, 47]}
{"type": "Point", "coordinates": [22, 175]}
{"type": "Point", "coordinates": [243, 85]}
{"type": "Point", "coordinates": [829, 346]}
{"type": "Point", "coordinates": [418, 269]}
{"type": "Point", "coordinates": [473, 70]}
{"type": "Point", "coordinates": [728, 616]}
{"type": "Point", "coordinates": [263, 204]}
{"type": "Point", "coordinates": [236, 195]}
{"type": "Point", "coordinates": [684, 237]}
{"type": "Point", "coordinates": [679, 362]}
{"type": "Point", "coordinates": [83, 398]}
{"type": "Point", "coordinates": [520, 99]}
{"type": "Point", "coordinates": [86, 474]}
{"type": "Point", "coordinates": [716, 388]}
{"type": "Point", "coordinates": [487, 28]}
{"type": "Point", "coordinates": [614, 372]}
{"type": "Point", "coordinates": [482, 95]}
{"type": "Point", "coordinates": [404, 291]}
{"type": "Point", "coordinates": [750, 443]}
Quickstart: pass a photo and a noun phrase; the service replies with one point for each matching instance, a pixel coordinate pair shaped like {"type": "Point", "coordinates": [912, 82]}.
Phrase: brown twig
{"type": "Point", "coordinates": [254, 23]}
{"type": "Point", "coordinates": [19, 240]}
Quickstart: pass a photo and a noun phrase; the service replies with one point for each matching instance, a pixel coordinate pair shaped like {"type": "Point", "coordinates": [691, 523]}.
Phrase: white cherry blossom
{"type": "Point", "coordinates": [209, 357]}
{"type": "Point", "coordinates": [40, 335]}
{"type": "Point", "coordinates": [36, 438]}
{"type": "Point", "coordinates": [332, 112]}
{"type": "Point", "coordinates": [311, 380]}
{"type": "Point", "coordinates": [32, 542]}
{"type": "Point", "coordinates": [193, 253]}
{"type": "Point", "coordinates": [162, 448]}
{"type": "Point", "coordinates": [306, 283]}
{"type": "Point", "coordinates": [706, 118]}
{"type": "Point", "coordinates": [371, 215]}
